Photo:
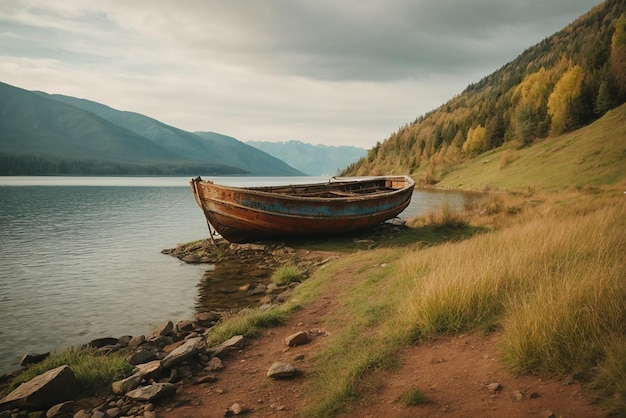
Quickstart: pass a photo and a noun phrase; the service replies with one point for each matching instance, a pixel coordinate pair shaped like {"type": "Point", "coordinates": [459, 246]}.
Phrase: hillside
{"type": "Point", "coordinates": [314, 160]}
{"type": "Point", "coordinates": [577, 159]}
{"type": "Point", "coordinates": [565, 82]}
{"type": "Point", "coordinates": [54, 134]}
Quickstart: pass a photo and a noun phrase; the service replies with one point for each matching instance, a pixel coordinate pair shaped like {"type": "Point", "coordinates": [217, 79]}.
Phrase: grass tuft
{"type": "Point", "coordinates": [94, 372]}
{"type": "Point", "coordinates": [611, 377]}
{"type": "Point", "coordinates": [413, 397]}
{"type": "Point", "coordinates": [287, 274]}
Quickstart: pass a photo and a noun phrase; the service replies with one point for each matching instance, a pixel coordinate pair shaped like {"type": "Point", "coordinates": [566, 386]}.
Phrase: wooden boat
{"type": "Point", "coordinates": [337, 206]}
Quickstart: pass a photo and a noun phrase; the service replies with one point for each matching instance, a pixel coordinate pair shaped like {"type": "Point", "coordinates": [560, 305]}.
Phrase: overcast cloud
{"type": "Point", "coordinates": [337, 72]}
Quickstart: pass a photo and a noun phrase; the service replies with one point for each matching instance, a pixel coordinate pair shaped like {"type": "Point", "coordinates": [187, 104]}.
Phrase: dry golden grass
{"type": "Point", "coordinates": [551, 277]}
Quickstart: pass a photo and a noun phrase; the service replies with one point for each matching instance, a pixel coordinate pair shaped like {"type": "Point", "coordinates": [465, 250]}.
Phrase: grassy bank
{"type": "Point", "coordinates": [547, 272]}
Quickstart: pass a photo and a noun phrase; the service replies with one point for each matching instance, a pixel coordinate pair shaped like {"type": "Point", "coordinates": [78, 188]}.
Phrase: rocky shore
{"type": "Point", "coordinates": [173, 354]}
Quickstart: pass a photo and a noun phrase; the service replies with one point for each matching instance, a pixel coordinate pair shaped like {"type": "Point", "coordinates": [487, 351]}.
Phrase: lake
{"type": "Point", "coordinates": [80, 257]}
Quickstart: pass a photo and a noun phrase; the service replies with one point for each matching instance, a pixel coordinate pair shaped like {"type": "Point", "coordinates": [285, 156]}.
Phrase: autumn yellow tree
{"type": "Point", "coordinates": [564, 105]}
{"type": "Point", "coordinates": [476, 141]}
{"type": "Point", "coordinates": [530, 101]}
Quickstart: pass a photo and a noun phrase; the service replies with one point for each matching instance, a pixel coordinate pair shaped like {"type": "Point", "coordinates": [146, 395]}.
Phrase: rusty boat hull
{"type": "Point", "coordinates": [247, 214]}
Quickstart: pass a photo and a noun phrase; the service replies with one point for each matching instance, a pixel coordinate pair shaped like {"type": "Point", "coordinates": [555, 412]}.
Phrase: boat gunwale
{"type": "Point", "coordinates": [264, 190]}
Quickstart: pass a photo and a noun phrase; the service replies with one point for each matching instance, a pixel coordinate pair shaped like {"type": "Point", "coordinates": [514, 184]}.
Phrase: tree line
{"type": "Point", "coordinates": [34, 165]}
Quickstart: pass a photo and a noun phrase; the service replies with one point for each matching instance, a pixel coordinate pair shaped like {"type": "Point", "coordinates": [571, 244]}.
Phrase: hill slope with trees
{"type": "Point", "coordinates": [565, 82]}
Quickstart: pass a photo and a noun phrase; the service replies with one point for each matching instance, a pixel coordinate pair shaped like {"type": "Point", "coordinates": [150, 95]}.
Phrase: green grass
{"type": "Point", "coordinates": [287, 274]}
{"type": "Point", "coordinates": [592, 155]}
{"type": "Point", "coordinates": [549, 276]}
{"type": "Point", "coordinates": [94, 372]}
{"type": "Point", "coordinates": [249, 322]}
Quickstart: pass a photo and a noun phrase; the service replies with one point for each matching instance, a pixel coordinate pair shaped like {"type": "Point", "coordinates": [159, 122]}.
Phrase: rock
{"type": "Point", "coordinates": [236, 342]}
{"type": "Point", "coordinates": [150, 370]}
{"type": "Point", "coordinates": [494, 387]}
{"type": "Point", "coordinates": [61, 410]}
{"type": "Point", "coordinates": [141, 357]}
{"type": "Point", "coordinates": [164, 329]}
{"type": "Point", "coordinates": [299, 338]}
{"type": "Point", "coordinates": [260, 289]}
{"type": "Point", "coordinates": [209, 378]}
{"type": "Point", "coordinates": [152, 392]}
{"type": "Point", "coordinates": [236, 409]}
{"type": "Point", "coordinates": [214, 364]}
{"type": "Point", "coordinates": [233, 343]}
{"type": "Point", "coordinates": [43, 391]}
{"type": "Point", "coordinates": [247, 247]}
{"type": "Point", "coordinates": [124, 340]}
{"type": "Point", "coordinates": [102, 342]}
{"type": "Point", "coordinates": [137, 341]}
{"type": "Point", "coordinates": [113, 412]}
{"type": "Point", "coordinates": [183, 372]}
{"type": "Point", "coordinates": [125, 385]}
{"type": "Point", "coordinates": [191, 347]}
{"type": "Point", "coordinates": [518, 395]}
{"type": "Point", "coordinates": [271, 288]}
{"type": "Point", "coordinates": [282, 371]}
{"type": "Point", "coordinates": [161, 341]}
{"type": "Point", "coordinates": [33, 358]}
{"type": "Point", "coordinates": [83, 413]}
{"type": "Point", "coordinates": [169, 348]}
{"type": "Point", "coordinates": [171, 378]}
{"type": "Point", "coordinates": [184, 325]}
{"type": "Point", "coordinates": [206, 319]}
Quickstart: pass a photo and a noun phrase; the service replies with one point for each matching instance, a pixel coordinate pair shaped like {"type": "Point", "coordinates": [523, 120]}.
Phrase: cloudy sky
{"type": "Point", "coordinates": [334, 72]}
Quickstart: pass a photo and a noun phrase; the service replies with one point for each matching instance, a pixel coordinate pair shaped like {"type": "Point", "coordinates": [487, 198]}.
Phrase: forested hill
{"type": "Point", "coordinates": [561, 84]}
{"type": "Point", "coordinates": [43, 134]}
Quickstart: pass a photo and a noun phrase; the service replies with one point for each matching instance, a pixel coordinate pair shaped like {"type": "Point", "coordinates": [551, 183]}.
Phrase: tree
{"type": "Point", "coordinates": [564, 103]}
{"type": "Point", "coordinates": [604, 102]}
{"type": "Point", "coordinates": [617, 61]}
{"type": "Point", "coordinates": [476, 141]}
{"type": "Point", "coordinates": [530, 100]}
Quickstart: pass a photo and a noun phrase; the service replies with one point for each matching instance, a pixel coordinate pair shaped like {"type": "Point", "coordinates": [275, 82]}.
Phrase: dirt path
{"type": "Point", "coordinates": [454, 374]}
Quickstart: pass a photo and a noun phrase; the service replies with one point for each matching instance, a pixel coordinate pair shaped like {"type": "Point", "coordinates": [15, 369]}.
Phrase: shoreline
{"type": "Point", "coordinates": [169, 335]}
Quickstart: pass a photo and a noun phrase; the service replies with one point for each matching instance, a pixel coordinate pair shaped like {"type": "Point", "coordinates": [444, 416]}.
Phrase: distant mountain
{"type": "Point", "coordinates": [55, 134]}
{"type": "Point", "coordinates": [314, 160]}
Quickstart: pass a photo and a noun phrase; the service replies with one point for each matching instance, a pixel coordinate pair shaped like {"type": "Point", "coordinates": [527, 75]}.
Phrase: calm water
{"type": "Point", "coordinates": [80, 258]}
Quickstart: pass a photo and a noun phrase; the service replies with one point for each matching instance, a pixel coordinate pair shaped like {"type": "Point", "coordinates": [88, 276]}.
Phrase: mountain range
{"type": "Point", "coordinates": [43, 134]}
{"type": "Point", "coordinates": [314, 160]}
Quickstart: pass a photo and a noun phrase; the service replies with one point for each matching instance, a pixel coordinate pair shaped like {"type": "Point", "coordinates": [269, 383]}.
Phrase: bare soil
{"type": "Point", "coordinates": [452, 372]}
